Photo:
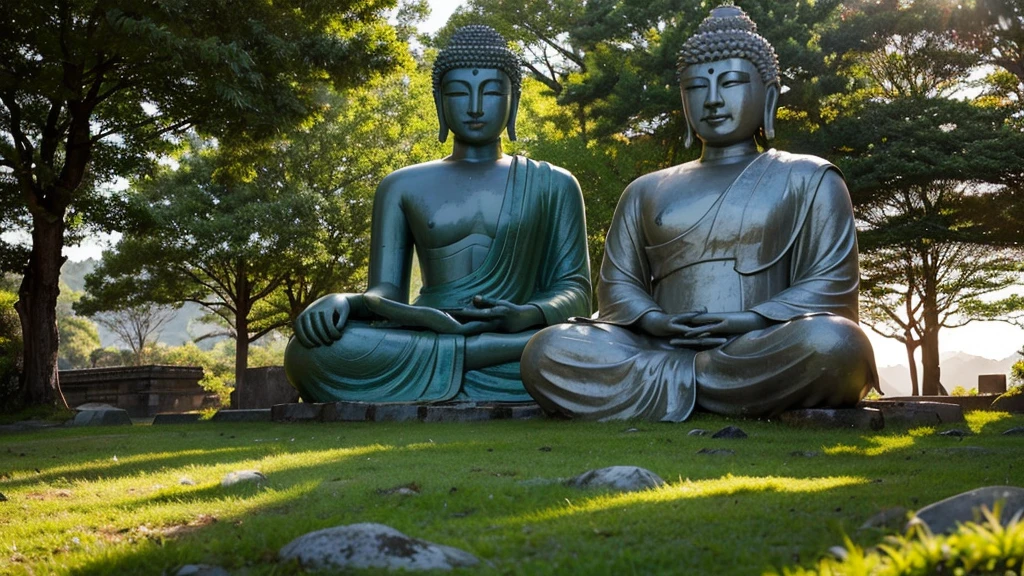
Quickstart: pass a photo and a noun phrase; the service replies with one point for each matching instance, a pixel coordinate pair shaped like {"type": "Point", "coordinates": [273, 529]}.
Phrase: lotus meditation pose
{"type": "Point", "coordinates": [729, 282]}
{"type": "Point", "coordinates": [502, 247]}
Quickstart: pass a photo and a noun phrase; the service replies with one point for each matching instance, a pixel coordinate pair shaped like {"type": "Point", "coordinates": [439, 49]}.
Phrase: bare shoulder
{"type": "Point", "coordinates": [563, 179]}
{"type": "Point", "coordinates": [672, 176]}
{"type": "Point", "coordinates": [404, 179]}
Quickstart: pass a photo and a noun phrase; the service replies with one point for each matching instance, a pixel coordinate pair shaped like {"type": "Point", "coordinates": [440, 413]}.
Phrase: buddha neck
{"type": "Point", "coordinates": [728, 154]}
{"type": "Point", "coordinates": [489, 152]}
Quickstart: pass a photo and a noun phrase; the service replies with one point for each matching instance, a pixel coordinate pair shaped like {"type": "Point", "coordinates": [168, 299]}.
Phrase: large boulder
{"type": "Point", "coordinates": [368, 545]}
{"type": "Point", "coordinates": [93, 414]}
{"type": "Point", "coordinates": [621, 478]}
{"type": "Point", "coordinates": [944, 515]}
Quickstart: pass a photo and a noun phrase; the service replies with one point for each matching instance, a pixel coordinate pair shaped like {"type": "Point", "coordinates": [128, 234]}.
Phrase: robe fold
{"type": "Point", "coordinates": [538, 257]}
{"type": "Point", "coordinates": [775, 242]}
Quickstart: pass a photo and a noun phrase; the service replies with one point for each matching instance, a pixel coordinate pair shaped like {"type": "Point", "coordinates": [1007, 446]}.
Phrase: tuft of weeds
{"type": "Point", "coordinates": [983, 548]}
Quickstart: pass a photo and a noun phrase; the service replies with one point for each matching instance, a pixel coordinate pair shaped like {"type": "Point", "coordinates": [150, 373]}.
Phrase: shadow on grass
{"type": "Point", "coordinates": [762, 506]}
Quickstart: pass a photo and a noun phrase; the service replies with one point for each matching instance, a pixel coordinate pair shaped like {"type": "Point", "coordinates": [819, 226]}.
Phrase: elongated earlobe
{"type": "Point", "coordinates": [771, 106]}
{"type": "Point", "coordinates": [442, 132]}
{"type": "Point", "coordinates": [511, 127]}
{"type": "Point", "coordinates": [686, 118]}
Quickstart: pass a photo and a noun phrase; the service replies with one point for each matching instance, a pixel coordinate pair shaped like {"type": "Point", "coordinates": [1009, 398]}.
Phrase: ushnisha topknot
{"type": "Point", "coordinates": [729, 33]}
{"type": "Point", "coordinates": [478, 46]}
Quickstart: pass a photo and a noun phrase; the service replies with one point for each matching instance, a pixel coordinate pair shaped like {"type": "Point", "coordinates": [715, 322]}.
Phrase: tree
{"type": "Point", "coordinates": [255, 234]}
{"type": "Point", "coordinates": [90, 90]}
{"type": "Point", "coordinates": [10, 348]}
{"type": "Point", "coordinates": [920, 165]}
{"type": "Point", "coordinates": [78, 338]}
{"type": "Point", "coordinates": [212, 238]}
{"type": "Point", "coordinates": [138, 326]}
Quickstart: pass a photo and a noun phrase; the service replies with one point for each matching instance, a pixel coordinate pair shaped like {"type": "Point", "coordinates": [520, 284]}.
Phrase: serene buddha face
{"type": "Point", "coordinates": [723, 100]}
{"type": "Point", "coordinates": [476, 103]}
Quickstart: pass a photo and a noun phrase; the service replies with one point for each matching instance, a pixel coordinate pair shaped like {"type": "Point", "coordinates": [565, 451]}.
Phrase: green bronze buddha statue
{"type": "Point", "coordinates": [502, 247]}
{"type": "Point", "coordinates": [728, 283]}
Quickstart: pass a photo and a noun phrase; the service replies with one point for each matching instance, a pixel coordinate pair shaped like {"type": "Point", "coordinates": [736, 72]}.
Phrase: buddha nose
{"type": "Point", "coordinates": [714, 99]}
{"type": "Point", "coordinates": [476, 108]}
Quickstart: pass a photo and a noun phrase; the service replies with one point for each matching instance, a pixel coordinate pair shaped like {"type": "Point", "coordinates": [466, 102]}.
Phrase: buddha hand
{"type": "Point", "coordinates": [716, 328]}
{"type": "Point", "coordinates": [423, 317]}
{"type": "Point", "coordinates": [662, 325]}
{"type": "Point", "coordinates": [506, 316]}
{"type": "Point", "coordinates": [321, 322]}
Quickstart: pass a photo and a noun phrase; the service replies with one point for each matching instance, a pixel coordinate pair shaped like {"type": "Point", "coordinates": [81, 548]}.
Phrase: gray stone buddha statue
{"type": "Point", "coordinates": [501, 244]}
{"type": "Point", "coordinates": [728, 283]}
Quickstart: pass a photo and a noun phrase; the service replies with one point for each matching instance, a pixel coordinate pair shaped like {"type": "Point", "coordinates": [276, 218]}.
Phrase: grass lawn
{"type": "Point", "coordinates": [112, 501]}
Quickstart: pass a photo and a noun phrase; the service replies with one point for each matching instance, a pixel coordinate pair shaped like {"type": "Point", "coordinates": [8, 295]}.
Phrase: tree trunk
{"type": "Point", "coordinates": [242, 308]}
{"type": "Point", "coordinates": [37, 310]}
{"type": "Point", "coordinates": [930, 362]}
{"type": "Point", "coordinates": [912, 363]}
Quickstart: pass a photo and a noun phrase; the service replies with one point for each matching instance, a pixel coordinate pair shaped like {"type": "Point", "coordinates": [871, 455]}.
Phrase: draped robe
{"type": "Point", "coordinates": [538, 257]}
{"type": "Point", "coordinates": [775, 242]}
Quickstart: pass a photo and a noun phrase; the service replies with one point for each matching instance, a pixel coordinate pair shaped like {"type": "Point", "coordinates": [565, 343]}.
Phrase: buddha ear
{"type": "Point", "coordinates": [686, 118]}
{"type": "Point", "coordinates": [771, 106]}
{"type": "Point", "coordinates": [442, 133]}
{"type": "Point", "coordinates": [511, 126]}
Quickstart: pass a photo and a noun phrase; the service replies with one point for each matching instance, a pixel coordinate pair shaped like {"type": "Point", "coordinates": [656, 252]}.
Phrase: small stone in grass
{"type": "Point", "coordinates": [730, 432]}
{"type": "Point", "coordinates": [243, 476]}
{"type": "Point", "coordinates": [622, 478]}
{"type": "Point", "coordinates": [716, 451]}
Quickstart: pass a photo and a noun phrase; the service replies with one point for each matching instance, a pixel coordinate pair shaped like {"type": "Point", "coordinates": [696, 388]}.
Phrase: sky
{"type": "Point", "coordinates": [995, 340]}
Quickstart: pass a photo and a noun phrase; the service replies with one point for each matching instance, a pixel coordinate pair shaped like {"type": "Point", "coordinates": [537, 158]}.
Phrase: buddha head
{"type": "Point", "coordinates": [729, 79]}
{"type": "Point", "coordinates": [477, 82]}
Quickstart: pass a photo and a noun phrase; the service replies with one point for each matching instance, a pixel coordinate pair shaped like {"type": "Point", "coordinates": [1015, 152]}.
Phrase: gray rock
{"type": "Point", "coordinates": [1015, 431]}
{"type": "Point", "coordinates": [730, 432]}
{"type": "Point", "coordinates": [457, 413]}
{"type": "Point", "coordinates": [834, 418]}
{"type": "Point", "coordinates": [621, 478]}
{"type": "Point", "coordinates": [944, 515]}
{"type": "Point", "coordinates": [348, 412]}
{"type": "Point", "coordinates": [697, 432]}
{"type": "Point", "coordinates": [254, 415]}
{"type": "Point", "coordinates": [243, 476]}
{"type": "Point", "coordinates": [908, 414]}
{"type": "Point", "coordinates": [108, 416]}
{"type": "Point", "coordinates": [805, 453]}
{"type": "Point", "coordinates": [396, 412]}
{"type": "Point", "coordinates": [368, 545]}
{"type": "Point", "coordinates": [888, 519]}
{"type": "Point", "coordinates": [263, 388]}
{"type": "Point", "coordinates": [201, 570]}
{"type": "Point", "coordinates": [186, 481]}
{"type": "Point", "coordinates": [523, 412]}
{"type": "Point", "coordinates": [172, 418]}
{"type": "Point", "coordinates": [955, 432]}
{"type": "Point", "coordinates": [296, 412]}
{"type": "Point", "coordinates": [2, 497]}
{"type": "Point", "coordinates": [716, 452]}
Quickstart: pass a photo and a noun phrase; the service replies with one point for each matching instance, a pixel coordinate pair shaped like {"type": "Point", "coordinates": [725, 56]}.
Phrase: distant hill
{"type": "Point", "coordinates": [958, 369]}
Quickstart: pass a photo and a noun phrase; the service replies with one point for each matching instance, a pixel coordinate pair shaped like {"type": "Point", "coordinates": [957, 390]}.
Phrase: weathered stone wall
{"type": "Point", "coordinates": [141, 390]}
{"type": "Point", "coordinates": [264, 388]}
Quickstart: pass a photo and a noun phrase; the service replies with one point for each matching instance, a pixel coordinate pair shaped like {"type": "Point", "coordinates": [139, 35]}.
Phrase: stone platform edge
{"type": "Point", "coordinates": [400, 412]}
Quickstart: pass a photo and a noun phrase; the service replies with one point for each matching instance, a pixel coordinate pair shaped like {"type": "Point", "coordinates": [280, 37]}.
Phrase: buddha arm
{"type": "Point", "coordinates": [390, 251]}
{"type": "Point", "coordinates": [625, 292]}
{"type": "Point", "coordinates": [563, 285]}
{"type": "Point", "coordinates": [824, 274]}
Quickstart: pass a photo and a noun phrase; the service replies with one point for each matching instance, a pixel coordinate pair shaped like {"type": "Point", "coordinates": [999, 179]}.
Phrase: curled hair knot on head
{"type": "Point", "coordinates": [478, 46]}
{"type": "Point", "coordinates": [729, 33]}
